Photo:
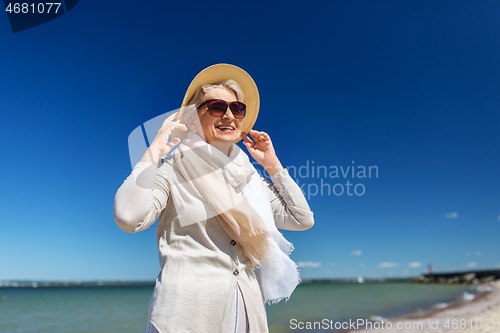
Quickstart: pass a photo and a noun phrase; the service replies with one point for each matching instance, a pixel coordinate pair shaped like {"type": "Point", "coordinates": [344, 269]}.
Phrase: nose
{"type": "Point", "coordinates": [228, 114]}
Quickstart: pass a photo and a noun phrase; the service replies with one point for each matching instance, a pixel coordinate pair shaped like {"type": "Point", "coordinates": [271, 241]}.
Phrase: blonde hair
{"type": "Point", "coordinates": [209, 89]}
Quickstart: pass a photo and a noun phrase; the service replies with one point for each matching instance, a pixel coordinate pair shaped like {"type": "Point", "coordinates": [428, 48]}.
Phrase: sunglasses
{"type": "Point", "coordinates": [218, 108]}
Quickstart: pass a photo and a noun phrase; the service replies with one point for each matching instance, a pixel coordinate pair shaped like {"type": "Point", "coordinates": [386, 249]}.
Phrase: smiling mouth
{"type": "Point", "coordinates": [225, 128]}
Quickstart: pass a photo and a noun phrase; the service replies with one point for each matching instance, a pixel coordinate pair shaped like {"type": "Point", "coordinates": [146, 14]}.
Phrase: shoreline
{"type": "Point", "coordinates": [460, 316]}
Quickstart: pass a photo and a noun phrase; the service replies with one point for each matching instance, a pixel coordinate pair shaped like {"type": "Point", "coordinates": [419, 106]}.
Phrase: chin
{"type": "Point", "coordinates": [227, 137]}
{"type": "Point", "coordinates": [228, 140]}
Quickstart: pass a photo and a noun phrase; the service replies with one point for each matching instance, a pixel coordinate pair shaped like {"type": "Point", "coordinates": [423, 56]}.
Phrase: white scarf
{"type": "Point", "coordinates": [278, 273]}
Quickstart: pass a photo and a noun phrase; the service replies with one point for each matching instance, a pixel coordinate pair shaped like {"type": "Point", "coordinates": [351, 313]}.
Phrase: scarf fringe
{"type": "Point", "coordinates": [277, 300]}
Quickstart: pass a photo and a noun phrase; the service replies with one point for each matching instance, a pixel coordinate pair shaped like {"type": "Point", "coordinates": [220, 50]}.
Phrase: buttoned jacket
{"type": "Point", "coordinates": [200, 264]}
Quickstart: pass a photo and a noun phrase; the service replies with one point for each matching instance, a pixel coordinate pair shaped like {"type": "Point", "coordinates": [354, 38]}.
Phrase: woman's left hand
{"type": "Point", "coordinates": [262, 151]}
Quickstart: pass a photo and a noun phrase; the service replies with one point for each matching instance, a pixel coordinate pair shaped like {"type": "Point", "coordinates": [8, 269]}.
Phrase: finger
{"type": "Point", "coordinates": [174, 142]}
{"type": "Point", "coordinates": [248, 142]}
{"type": "Point", "coordinates": [247, 138]}
{"type": "Point", "coordinates": [264, 136]}
{"type": "Point", "coordinates": [258, 135]}
{"type": "Point", "coordinates": [264, 139]}
{"type": "Point", "coordinates": [177, 124]}
{"type": "Point", "coordinates": [169, 119]}
{"type": "Point", "coordinates": [173, 116]}
{"type": "Point", "coordinates": [249, 146]}
{"type": "Point", "coordinates": [254, 133]}
{"type": "Point", "coordinates": [173, 125]}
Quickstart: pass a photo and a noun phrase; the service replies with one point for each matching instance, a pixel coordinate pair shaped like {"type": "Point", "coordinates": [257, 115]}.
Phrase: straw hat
{"type": "Point", "coordinates": [218, 73]}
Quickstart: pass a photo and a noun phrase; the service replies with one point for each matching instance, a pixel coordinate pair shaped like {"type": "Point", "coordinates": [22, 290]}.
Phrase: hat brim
{"type": "Point", "coordinates": [219, 73]}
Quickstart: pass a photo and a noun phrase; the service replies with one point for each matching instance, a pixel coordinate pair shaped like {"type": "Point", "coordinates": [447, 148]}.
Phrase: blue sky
{"type": "Point", "coordinates": [409, 87]}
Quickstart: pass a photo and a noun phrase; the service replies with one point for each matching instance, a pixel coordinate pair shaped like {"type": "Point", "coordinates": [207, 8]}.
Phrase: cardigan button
{"type": "Point", "coordinates": [233, 242]}
{"type": "Point", "coordinates": [236, 272]}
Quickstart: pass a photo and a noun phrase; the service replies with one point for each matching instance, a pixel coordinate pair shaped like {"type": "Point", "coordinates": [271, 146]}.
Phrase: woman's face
{"type": "Point", "coordinates": [220, 129]}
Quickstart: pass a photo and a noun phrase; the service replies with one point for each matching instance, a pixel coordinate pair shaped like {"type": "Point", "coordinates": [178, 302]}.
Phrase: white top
{"type": "Point", "coordinates": [200, 264]}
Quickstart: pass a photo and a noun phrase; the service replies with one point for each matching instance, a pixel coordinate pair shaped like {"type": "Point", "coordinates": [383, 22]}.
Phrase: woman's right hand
{"type": "Point", "coordinates": [160, 145]}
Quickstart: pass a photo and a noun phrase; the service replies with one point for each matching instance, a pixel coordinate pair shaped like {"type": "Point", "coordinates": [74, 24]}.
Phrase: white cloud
{"type": "Point", "coordinates": [478, 253]}
{"type": "Point", "coordinates": [472, 264]}
{"type": "Point", "coordinates": [356, 252]}
{"type": "Point", "coordinates": [499, 217]}
{"type": "Point", "coordinates": [498, 265]}
{"type": "Point", "coordinates": [452, 215]}
{"type": "Point", "coordinates": [308, 264]}
{"type": "Point", "coordinates": [467, 253]}
{"type": "Point", "coordinates": [388, 264]}
{"type": "Point", "coordinates": [332, 264]}
{"type": "Point", "coordinates": [415, 264]}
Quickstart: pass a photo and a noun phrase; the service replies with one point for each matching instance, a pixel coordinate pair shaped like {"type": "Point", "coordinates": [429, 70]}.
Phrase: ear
{"type": "Point", "coordinates": [191, 124]}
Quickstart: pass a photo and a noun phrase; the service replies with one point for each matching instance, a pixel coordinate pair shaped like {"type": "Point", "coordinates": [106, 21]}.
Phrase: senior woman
{"type": "Point", "coordinates": [218, 218]}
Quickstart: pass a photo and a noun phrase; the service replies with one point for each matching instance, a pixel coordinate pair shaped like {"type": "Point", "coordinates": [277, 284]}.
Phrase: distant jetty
{"type": "Point", "coordinates": [467, 277]}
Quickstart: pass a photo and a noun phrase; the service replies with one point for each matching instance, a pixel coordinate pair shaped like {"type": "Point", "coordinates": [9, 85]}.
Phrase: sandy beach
{"type": "Point", "coordinates": [479, 315]}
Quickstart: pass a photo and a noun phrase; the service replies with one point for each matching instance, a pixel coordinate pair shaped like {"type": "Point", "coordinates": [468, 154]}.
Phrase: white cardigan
{"type": "Point", "coordinates": [200, 264]}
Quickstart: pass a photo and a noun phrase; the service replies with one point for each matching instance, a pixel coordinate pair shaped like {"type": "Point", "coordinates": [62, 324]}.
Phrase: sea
{"type": "Point", "coordinates": [100, 308]}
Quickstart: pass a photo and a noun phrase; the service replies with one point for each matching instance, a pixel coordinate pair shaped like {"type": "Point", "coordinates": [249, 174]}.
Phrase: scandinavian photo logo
{"type": "Point", "coordinates": [316, 180]}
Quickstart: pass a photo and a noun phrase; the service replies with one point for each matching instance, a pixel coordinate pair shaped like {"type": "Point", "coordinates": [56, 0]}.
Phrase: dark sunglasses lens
{"type": "Point", "coordinates": [239, 109]}
{"type": "Point", "coordinates": [217, 108]}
